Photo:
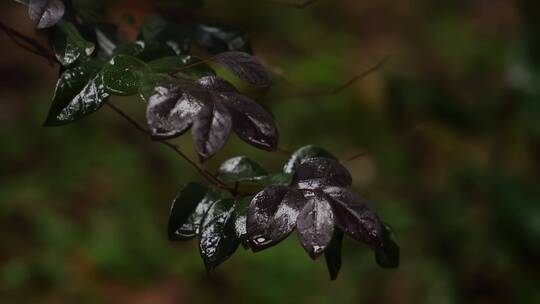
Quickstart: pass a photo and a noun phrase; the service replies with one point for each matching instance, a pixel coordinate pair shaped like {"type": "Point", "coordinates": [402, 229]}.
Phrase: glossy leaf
{"type": "Point", "coordinates": [245, 67]}
{"type": "Point", "coordinates": [355, 217]}
{"type": "Point", "coordinates": [321, 172]}
{"type": "Point", "coordinates": [240, 168]}
{"type": "Point", "coordinates": [175, 36]}
{"type": "Point", "coordinates": [251, 122]}
{"type": "Point", "coordinates": [332, 254]}
{"type": "Point", "coordinates": [149, 82]}
{"type": "Point", "coordinates": [183, 206]}
{"type": "Point", "coordinates": [285, 218]}
{"type": "Point", "coordinates": [69, 46]}
{"type": "Point", "coordinates": [184, 64]}
{"type": "Point", "coordinates": [303, 154]}
{"type": "Point", "coordinates": [315, 225]}
{"type": "Point", "coordinates": [79, 92]}
{"type": "Point", "coordinates": [259, 216]}
{"type": "Point", "coordinates": [211, 129]}
{"type": "Point", "coordinates": [145, 50]}
{"type": "Point", "coordinates": [45, 13]}
{"type": "Point", "coordinates": [219, 39]}
{"type": "Point", "coordinates": [387, 256]}
{"type": "Point", "coordinates": [218, 239]}
{"type": "Point", "coordinates": [240, 226]}
{"type": "Point", "coordinates": [122, 75]}
{"type": "Point", "coordinates": [107, 40]}
{"type": "Point", "coordinates": [172, 108]}
{"type": "Point", "coordinates": [191, 227]}
{"type": "Point", "coordinates": [217, 84]}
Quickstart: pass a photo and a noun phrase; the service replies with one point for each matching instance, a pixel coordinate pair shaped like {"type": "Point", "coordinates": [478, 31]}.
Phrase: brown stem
{"type": "Point", "coordinates": [29, 44]}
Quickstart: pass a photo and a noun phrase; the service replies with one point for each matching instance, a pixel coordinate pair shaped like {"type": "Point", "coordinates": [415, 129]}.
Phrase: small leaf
{"type": "Point", "coordinates": [218, 238]}
{"type": "Point", "coordinates": [240, 226]}
{"type": "Point", "coordinates": [321, 172]}
{"type": "Point", "coordinates": [251, 122]}
{"type": "Point", "coordinates": [79, 92]}
{"type": "Point", "coordinates": [177, 37]}
{"type": "Point", "coordinates": [218, 39]}
{"type": "Point", "coordinates": [192, 225]}
{"type": "Point", "coordinates": [45, 13]}
{"type": "Point", "coordinates": [183, 206]}
{"type": "Point", "coordinates": [69, 45]}
{"type": "Point", "coordinates": [303, 154]}
{"type": "Point", "coordinates": [355, 217]}
{"type": "Point", "coordinates": [145, 50]}
{"type": "Point", "coordinates": [240, 168]}
{"type": "Point", "coordinates": [184, 64]}
{"type": "Point", "coordinates": [286, 215]}
{"type": "Point", "coordinates": [122, 75]}
{"type": "Point", "coordinates": [245, 67]}
{"type": "Point", "coordinates": [211, 129]}
{"type": "Point", "coordinates": [149, 82]}
{"type": "Point", "coordinates": [315, 225]}
{"type": "Point", "coordinates": [217, 84]}
{"type": "Point", "coordinates": [107, 40]}
{"type": "Point", "coordinates": [172, 107]}
{"type": "Point", "coordinates": [387, 256]}
{"type": "Point", "coordinates": [332, 254]}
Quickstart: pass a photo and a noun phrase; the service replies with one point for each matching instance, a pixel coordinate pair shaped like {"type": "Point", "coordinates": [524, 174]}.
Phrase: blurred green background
{"type": "Point", "coordinates": [450, 128]}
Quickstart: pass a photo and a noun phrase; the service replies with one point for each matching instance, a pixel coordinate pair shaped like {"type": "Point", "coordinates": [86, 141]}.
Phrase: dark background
{"type": "Point", "coordinates": [450, 128]}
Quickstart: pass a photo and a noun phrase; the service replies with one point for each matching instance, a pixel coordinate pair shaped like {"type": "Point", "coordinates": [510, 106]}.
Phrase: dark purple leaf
{"type": "Point", "coordinates": [315, 225]}
{"type": "Point", "coordinates": [355, 217]}
{"type": "Point", "coordinates": [172, 107]}
{"type": "Point", "coordinates": [332, 254]}
{"type": "Point", "coordinates": [260, 214]}
{"type": "Point", "coordinates": [245, 67]}
{"type": "Point", "coordinates": [251, 122]}
{"type": "Point", "coordinates": [191, 227]}
{"type": "Point", "coordinates": [387, 255]}
{"type": "Point", "coordinates": [240, 168]}
{"type": "Point", "coordinates": [217, 84]}
{"type": "Point", "coordinates": [211, 129]}
{"type": "Point", "coordinates": [300, 155]}
{"type": "Point", "coordinates": [182, 207]}
{"type": "Point", "coordinates": [218, 237]}
{"type": "Point", "coordinates": [320, 172]}
{"type": "Point", "coordinates": [284, 220]}
{"type": "Point", "coordinates": [45, 13]}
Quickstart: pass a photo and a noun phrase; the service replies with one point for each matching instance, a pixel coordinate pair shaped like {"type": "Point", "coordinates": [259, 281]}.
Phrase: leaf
{"type": "Point", "coordinates": [191, 226]}
{"type": "Point", "coordinates": [150, 81]}
{"type": "Point", "coordinates": [355, 217]}
{"type": "Point", "coordinates": [175, 36]}
{"type": "Point", "coordinates": [217, 84]}
{"type": "Point", "coordinates": [302, 154]}
{"type": "Point", "coordinates": [218, 238]}
{"type": "Point", "coordinates": [184, 64]}
{"type": "Point", "coordinates": [79, 92]}
{"type": "Point", "coordinates": [211, 129]}
{"type": "Point", "coordinates": [145, 50]}
{"type": "Point", "coordinates": [321, 172]}
{"type": "Point", "coordinates": [45, 13]}
{"type": "Point", "coordinates": [260, 213]}
{"type": "Point", "coordinates": [332, 254]}
{"type": "Point", "coordinates": [251, 122]}
{"type": "Point", "coordinates": [240, 227]}
{"type": "Point", "coordinates": [172, 108]}
{"type": "Point", "coordinates": [245, 67]}
{"type": "Point", "coordinates": [388, 255]}
{"type": "Point", "coordinates": [285, 218]}
{"type": "Point", "coordinates": [68, 44]}
{"type": "Point", "coordinates": [122, 75]}
{"type": "Point", "coordinates": [218, 39]}
{"type": "Point", "coordinates": [107, 40]}
{"type": "Point", "coordinates": [239, 169]}
{"type": "Point", "coordinates": [315, 225]}
{"type": "Point", "coordinates": [185, 203]}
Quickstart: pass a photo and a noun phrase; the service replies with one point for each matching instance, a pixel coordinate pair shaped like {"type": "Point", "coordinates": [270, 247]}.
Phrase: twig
{"type": "Point", "coordinates": [29, 44]}
{"type": "Point", "coordinates": [284, 150]}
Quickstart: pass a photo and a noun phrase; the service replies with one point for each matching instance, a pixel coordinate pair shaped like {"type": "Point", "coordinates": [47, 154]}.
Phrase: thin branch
{"type": "Point", "coordinates": [29, 44]}
{"type": "Point", "coordinates": [284, 150]}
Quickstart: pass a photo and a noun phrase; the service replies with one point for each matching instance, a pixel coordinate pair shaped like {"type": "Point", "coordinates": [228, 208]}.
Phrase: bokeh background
{"type": "Point", "coordinates": [449, 129]}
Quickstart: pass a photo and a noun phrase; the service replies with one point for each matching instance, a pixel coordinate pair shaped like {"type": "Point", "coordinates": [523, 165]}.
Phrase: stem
{"type": "Point", "coordinates": [29, 44]}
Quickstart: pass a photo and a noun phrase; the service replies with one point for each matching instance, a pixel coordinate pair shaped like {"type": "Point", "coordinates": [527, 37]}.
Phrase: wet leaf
{"type": "Point", "coordinates": [68, 44]}
{"type": "Point", "coordinates": [107, 40]}
{"type": "Point", "coordinates": [387, 256]}
{"type": "Point", "coordinates": [122, 75]}
{"type": "Point", "coordinates": [183, 206]}
{"type": "Point", "coordinates": [217, 84]}
{"type": "Point", "coordinates": [245, 67]}
{"type": "Point", "coordinates": [315, 225]}
{"type": "Point", "coordinates": [191, 226]}
{"type": "Point", "coordinates": [175, 36]}
{"type": "Point", "coordinates": [303, 154]}
{"type": "Point", "coordinates": [355, 217]}
{"type": "Point", "coordinates": [184, 64]}
{"type": "Point", "coordinates": [218, 39]}
{"type": "Point", "coordinates": [240, 226]}
{"type": "Point", "coordinates": [332, 254]}
{"type": "Point", "coordinates": [145, 50]}
{"type": "Point", "coordinates": [251, 122]}
{"type": "Point", "coordinates": [150, 81]}
{"type": "Point", "coordinates": [218, 237]}
{"type": "Point", "coordinates": [285, 217]}
{"type": "Point", "coordinates": [321, 172]}
{"type": "Point", "coordinates": [172, 108]}
{"type": "Point", "coordinates": [45, 13]}
{"type": "Point", "coordinates": [239, 169]}
{"type": "Point", "coordinates": [211, 129]}
{"type": "Point", "coordinates": [79, 92]}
